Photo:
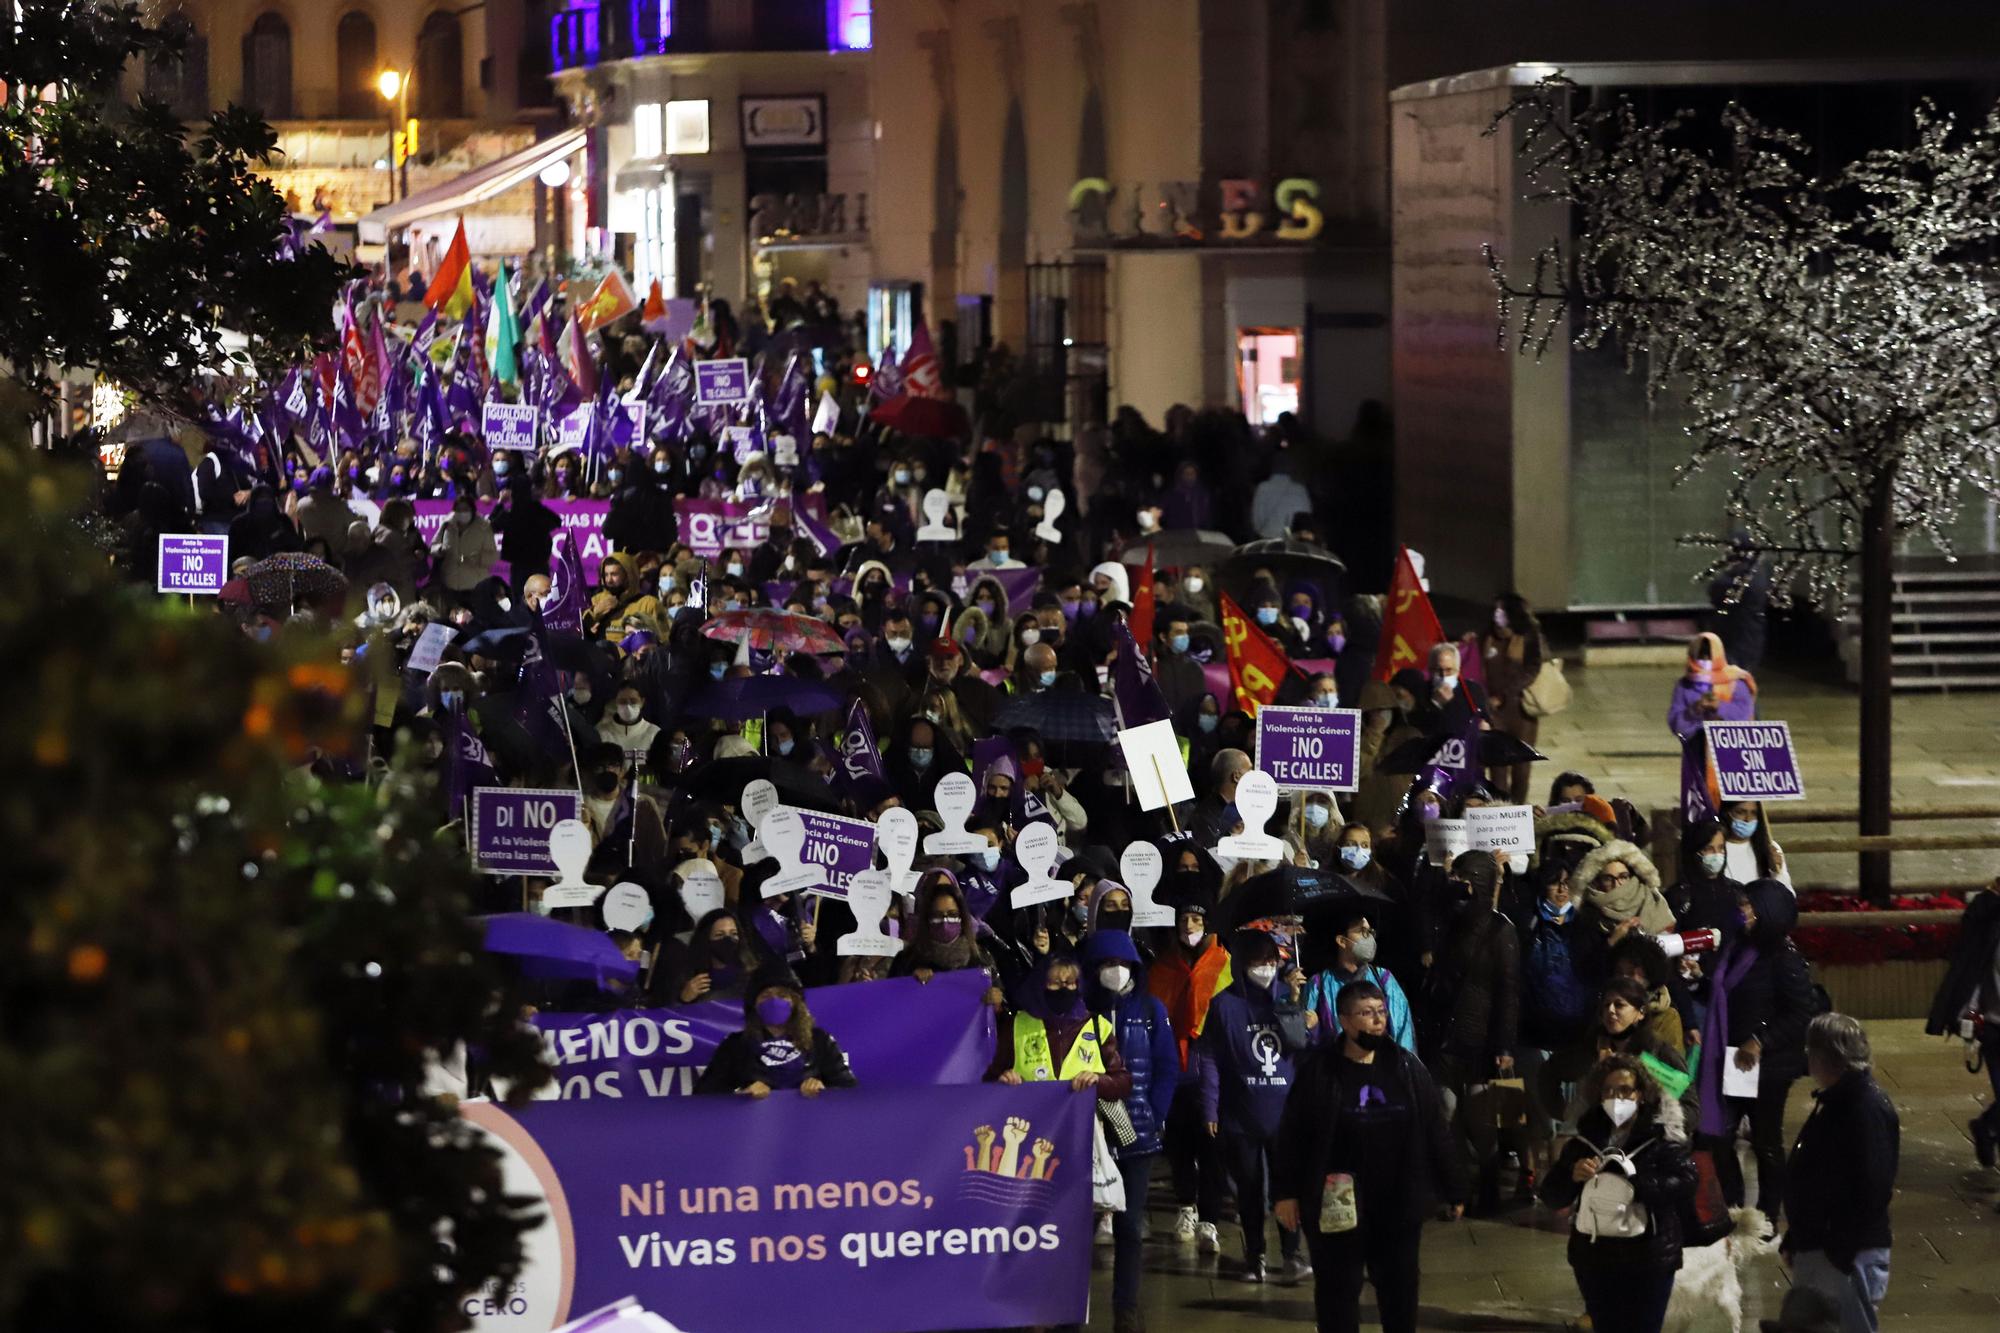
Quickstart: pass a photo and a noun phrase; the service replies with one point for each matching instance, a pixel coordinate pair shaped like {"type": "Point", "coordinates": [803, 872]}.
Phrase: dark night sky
{"type": "Point", "coordinates": [1430, 38]}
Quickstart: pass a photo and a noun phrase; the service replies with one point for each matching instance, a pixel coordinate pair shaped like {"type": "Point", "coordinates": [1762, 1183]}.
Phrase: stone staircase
{"type": "Point", "coordinates": [1946, 627]}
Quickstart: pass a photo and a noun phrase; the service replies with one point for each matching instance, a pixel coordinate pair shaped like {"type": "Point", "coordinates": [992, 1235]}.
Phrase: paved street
{"type": "Point", "coordinates": [1511, 1274]}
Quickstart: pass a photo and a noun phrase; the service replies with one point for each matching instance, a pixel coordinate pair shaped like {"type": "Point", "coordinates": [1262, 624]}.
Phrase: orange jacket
{"type": "Point", "coordinates": [1186, 988]}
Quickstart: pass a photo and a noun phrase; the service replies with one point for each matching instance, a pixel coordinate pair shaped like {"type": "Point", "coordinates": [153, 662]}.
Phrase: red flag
{"type": "Point", "coordinates": [653, 317]}
{"type": "Point", "coordinates": [612, 301]}
{"type": "Point", "coordinates": [1409, 626]}
{"type": "Point", "coordinates": [922, 376]}
{"type": "Point", "coordinates": [1257, 665]}
{"type": "Point", "coordinates": [451, 286]}
{"type": "Point", "coordinates": [1142, 604]}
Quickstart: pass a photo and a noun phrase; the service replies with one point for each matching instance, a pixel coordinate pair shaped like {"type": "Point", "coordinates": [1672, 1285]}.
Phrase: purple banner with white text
{"type": "Point", "coordinates": [864, 1210]}
{"type": "Point", "coordinates": [894, 1032]}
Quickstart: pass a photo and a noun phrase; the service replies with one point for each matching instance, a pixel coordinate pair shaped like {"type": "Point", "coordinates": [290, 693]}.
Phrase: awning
{"type": "Point", "coordinates": [475, 186]}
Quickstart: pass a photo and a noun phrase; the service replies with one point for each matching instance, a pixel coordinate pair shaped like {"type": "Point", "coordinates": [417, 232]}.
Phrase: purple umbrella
{"type": "Point", "coordinates": [556, 950]}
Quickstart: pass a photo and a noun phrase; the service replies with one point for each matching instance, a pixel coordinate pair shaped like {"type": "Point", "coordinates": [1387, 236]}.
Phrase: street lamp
{"type": "Point", "coordinates": [395, 89]}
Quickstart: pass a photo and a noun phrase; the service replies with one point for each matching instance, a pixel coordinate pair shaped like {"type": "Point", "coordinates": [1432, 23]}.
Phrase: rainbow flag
{"type": "Point", "coordinates": [451, 287]}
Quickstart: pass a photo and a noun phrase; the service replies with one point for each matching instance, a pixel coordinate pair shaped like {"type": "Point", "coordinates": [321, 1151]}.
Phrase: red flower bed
{"type": "Point", "coordinates": [1835, 945]}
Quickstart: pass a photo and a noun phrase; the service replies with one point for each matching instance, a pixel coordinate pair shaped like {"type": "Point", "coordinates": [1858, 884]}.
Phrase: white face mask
{"type": "Point", "coordinates": [1262, 977]}
{"type": "Point", "coordinates": [1115, 978]}
{"type": "Point", "coordinates": [629, 713]}
{"type": "Point", "coordinates": [1193, 938]}
{"type": "Point", "coordinates": [1193, 583]}
{"type": "Point", "coordinates": [898, 645]}
{"type": "Point", "coordinates": [1619, 1109]}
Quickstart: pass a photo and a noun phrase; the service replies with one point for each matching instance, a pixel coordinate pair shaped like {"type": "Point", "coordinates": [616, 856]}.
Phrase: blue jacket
{"type": "Point", "coordinates": [1249, 1041]}
{"type": "Point", "coordinates": [1145, 1038]}
{"type": "Point", "coordinates": [1324, 989]}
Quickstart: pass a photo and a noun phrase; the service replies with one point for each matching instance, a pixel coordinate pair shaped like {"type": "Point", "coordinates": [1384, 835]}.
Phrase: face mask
{"type": "Point", "coordinates": [1356, 858]}
{"type": "Point", "coordinates": [1086, 610]}
{"type": "Point", "coordinates": [453, 700]}
{"type": "Point", "coordinates": [580, 693]}
{"type": "Point", "coordinates": [732, 604]}
{"type": "Point", "coordinates": [1267, 615]}
{"type": "Point", "coordinates": [902, 476]}
{"type": "Point", "coordinates": [899, 646]}
{"type": "Point", "coordinates": [1060, 999]}
{"type": "Point", "coordinates": [1712, 863]}
{"type": "Point", "coordinates": [1316, 816]}
{"type": "Point", "coordinates": [786, 747]}
{"type": "Point", "coordinates": [1427, 812]}
{"type": "Point", "coordinates": [1047, 678]}
{"type": "Point", "coordinates": [714, 833]}
{"type": "Point", "coordinates": [1743, 828]}
{"type": "Point", "coordinates": [629, 713]}
{"type": "Point", "coordinates": [502, 468]}
{"type": "Point", "coordinates": [1115, 978]}
{"type": "Point", "coordinates": [1193, 938]}
{"type": "Point", "coordinates": [717, 670]}
{"type": "Point", "coordinates": [1336, 642]}
{"type": "Point", "coordinates": [1030, 637]}
{"type": "Point", "coordinates": [1448, 683]}
{"type": "Point", "coordinates": [1619, 1109]}
{"type": "Point", "coordinates": [988, 859]}
{"type": "Point", "coordinates": [1499, 619]}
{"type": "Point", "coordinates": [1550, 912]}
{"type": "Point", "coordinates": [774, 1011]}
{"type": "Point", "coordinates": [1179, 643]}
{"type": "Point", "coordinates": [504, 603]}
{"type": "Point", "coordinates": [1207, 722]}
{"type": "Point", "coordinates": [1114, 920]}
{"type": "Point", "coordinates": [1035, 494]}
{"type": "Point", "coordinates": [947, 930]}
{"type": "Point", "coordinates": [1517, 863]}
{"type": "Point", "coordinates": [616, 474]}
{"type": "Point", "coordinates": [461, 516]}
{"type": "Point", "coordinates": [998, 557]}
{"type": "Point", "coordinates": [1327, 700]}
{"type": "Point", "coordinates": [663, 466]}
{"type": "Point", "coordinates": [1193, 584]}
{"type": "Point", "coordinates": [605, 782]}
{"type": "Point", "coordinates": [1079, 911]}
{"type": "Point", "coordinates": [1364, 949]}
{"type": "Point", "coordinates": [1371, 1041]}
{"type": "Point", "coordinates": [1263, 975]}
{"type": "Point", "coordinates": [921, 759]}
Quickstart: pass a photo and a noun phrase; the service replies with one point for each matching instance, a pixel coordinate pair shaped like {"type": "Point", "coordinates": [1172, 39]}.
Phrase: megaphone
{"type": "Point", "coordinates": [1681, 943]}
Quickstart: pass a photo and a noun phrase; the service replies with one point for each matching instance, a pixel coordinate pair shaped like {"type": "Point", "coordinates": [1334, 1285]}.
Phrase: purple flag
{"type": "Point", "coordinates": [669, 399]}
{"type": "Point", "coordinates": [538, 704]}
{"type": "Point", "coordinates": [1698, 780]}
{"type": "Point", "coordinates": [429, 426]}
{"type": "Point", "coordinates": [562, 609]}
{"type": "Point", "coordinates": [1017, 582]}
{"type": "Point", "coordinates": [1134, 692]}
{"type": "Point", "coordinates": [1453, 767]}
{"type": "Point", "coordinates": [467, 765]}
{"type": "Point", "coordinates": [790, 404]}
{"type": "Point", "coordinates": [859, 756]}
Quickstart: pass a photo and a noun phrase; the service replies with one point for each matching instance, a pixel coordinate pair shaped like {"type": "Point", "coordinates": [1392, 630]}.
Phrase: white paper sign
{"type": "Point", "coordinates": [701, 888]}
{"type": "Point", "coordinates": [936, 506]}
{"type": "Point", "coordinates": [1501, 829]}
{"type": "Point", "coordinates": [1738, 1082]}
{"type": "Point", "coordinates": [868, 894]}
{"type": "Point", "coordinates": [1256, 801]}
{"type": "Point", "coordinates": [1444, 839]}
{"type": "Point", "coordinates": [569, 848]}
{"type": "Point", "coordinates": [954, 798]}
{"type": "Point", "coordinates": [1039, 852]}
{"type": "Point", "coordinates": [1053, 505]}
{"type": "Point", "coordinates": [760, 798]}
{"type": "Point", "coordinates": [1140, 868]}
{"type": "Point", "coordinates": [1153, 755]}
{"type": "Point", "coordinates": [784, 837]}
{"type": "Point", "coordinates": [896, 839]}
{"type": "Point", "coordinates": [429, 650]}
{"type": "Point", "coordinates": [626, 907]}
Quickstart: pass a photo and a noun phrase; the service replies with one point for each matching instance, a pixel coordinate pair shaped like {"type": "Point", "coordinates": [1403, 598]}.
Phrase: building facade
{"type": "Point", "coordinates": [731, 142]}
{"type": "Point", "coordinates": [1147, 202]}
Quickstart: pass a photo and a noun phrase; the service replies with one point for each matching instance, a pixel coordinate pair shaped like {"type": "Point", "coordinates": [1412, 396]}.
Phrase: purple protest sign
{"type": "Point", "coordinates": [510, 827]}
{"type": "Point", "coordinates": [1754, 761]}
{"type": "Point", "coordinates": [845, 847]}
{"type": "Point", "coordinates": [562, 608]}
{"type": "Point", "coordinates": [193, 565]}
{"type": "Point", "coordinates": [864, 1210]}
{"type": "Point", "coordinates": [720, 382]}
{"type": "Point", "coordinates": [1310, 748]}
{"type": "Point", "coordinates": [1698, 797]}
{"type": "Point", "coordinates": [894, 1032]}
{"type": "Point", "coordinates": [509, 425]}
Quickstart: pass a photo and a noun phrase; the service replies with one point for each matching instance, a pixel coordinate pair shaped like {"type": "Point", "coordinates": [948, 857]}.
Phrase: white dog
{"type": "Point", "coordinates": [1708, 1291]}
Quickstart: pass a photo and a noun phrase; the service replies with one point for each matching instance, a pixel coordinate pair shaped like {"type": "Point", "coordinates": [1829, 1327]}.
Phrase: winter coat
{"type": "Point", "coordinates": [465, 554]}
{"type": "Point", "coordinates": [1556, 999]}
{"type": "Point", "coordinates": [1842, 1172]}
{"type": "Point", "coordinates": [1970, 979]}
{"type": "Point", "coordinates": [1473, 994]}
{"type": "Point", "coordinates": [1773, 1001]}
{"type": "Point", "coordinates": [737, 1063]}
{"type": "Point", "coordinates": [1302, 1152]}
{"type": "Point", "coordinates": [641, 517]}
{"type": "Point", "coordinates": [1145, 1039]}
{"type": "Point", "coordinates": [1664, 1182]}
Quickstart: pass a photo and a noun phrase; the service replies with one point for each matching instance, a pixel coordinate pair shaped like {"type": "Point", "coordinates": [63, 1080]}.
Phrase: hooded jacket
{"type": "Point", "coordinates": [1683, 709]}
{"type": "Point", "coordinates": [1641, 898]}
{"type": "Point", "coordinates": [1663, 1180]}
{"type": "Point", "coordinates": [642, 517]}
{"type": "Point", "coordinates": [1303, 1150]}
{"type": "Point", "coordinates": [1145, 1037]}
{"type": "Point", "coordinates": [1773, 1001]}
{"type": "Point", "coordinates": [608, 610]}
{"type": "Point", "coordinates": [1249, 1046]}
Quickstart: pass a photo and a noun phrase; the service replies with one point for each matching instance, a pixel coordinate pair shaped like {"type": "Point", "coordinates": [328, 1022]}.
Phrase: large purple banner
{"type": "Point", "coordinates": [894, 1032]}
{"type": "Point", "coordinates": [865, 1210]}
{"type": "Point", "coordinates": [583, 520]}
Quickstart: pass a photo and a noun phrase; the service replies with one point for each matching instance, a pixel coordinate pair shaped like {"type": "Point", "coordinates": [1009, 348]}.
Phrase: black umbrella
{"type": "Point", "coordinates": [723, 780]}
{"type": "Point", "coordinates": [1289, 891]}
{"type": "Point", "coordinates": [1061, 715]}
{"type": "Point", "coordinates": [1497, 749]}
{"type": "Point", "coordinates": [502, 645]}
{"type": "Point", "coordinates": [280, 582]}
{"type": "Point", "coordinates": [1284, 559]}
{"type": "Point", "coordinates": [1180, 548]}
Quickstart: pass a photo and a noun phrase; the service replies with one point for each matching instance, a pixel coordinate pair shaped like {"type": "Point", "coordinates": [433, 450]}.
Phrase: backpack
{"type": "Point", "coordinates": [1608, 1207]}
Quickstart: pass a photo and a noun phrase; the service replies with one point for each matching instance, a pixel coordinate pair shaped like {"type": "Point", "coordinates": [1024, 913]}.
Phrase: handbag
{"type": "Point", "coordinates": [1117, 1123]}
{"type": "Point", "coordinates": [1107, 1183]}
{"type": "Point", "coordinates": [1549, 692]}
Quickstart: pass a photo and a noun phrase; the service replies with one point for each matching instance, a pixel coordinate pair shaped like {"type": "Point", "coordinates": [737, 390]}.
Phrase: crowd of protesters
{"type": "Point", "coordinates": [1434, 1034]}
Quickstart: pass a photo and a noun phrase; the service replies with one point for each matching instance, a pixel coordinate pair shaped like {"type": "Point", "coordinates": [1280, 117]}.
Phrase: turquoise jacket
{"type": "Point", "coordinates": [1325, 986]}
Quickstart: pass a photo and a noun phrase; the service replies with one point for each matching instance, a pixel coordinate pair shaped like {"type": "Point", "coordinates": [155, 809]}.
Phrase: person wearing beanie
{"type": "Point", "coordinates": [1186, 978]}
{"type": "Point", "coordinates": [1115, 986]}
{"type": "Point", "coordinates": [780, 1048]}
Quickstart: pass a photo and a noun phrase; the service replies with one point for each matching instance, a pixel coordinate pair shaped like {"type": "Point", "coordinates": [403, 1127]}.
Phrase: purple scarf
{"type": "Point", "coordinates": [1736, 960]}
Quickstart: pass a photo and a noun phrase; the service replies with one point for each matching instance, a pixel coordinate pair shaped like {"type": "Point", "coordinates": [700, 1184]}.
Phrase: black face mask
{"type": "Point", "coordinates": [1114, 920]}
{"type": "Point", "coordinates": [605, 782]}
{"type": "Point", "coordinates": [1060, 1001]}
{"type": "Point", "coordinates": [1371, 1041]}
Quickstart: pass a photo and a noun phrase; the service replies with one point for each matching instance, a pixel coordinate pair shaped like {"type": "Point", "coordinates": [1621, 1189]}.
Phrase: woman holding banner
{"type": "Point", "coordinates": [780, 1047]}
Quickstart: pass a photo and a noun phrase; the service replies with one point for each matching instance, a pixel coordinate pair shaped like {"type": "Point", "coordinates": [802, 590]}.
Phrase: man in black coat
{"type": "Point", "coordinates": [1364, 1128]}
{"type": "Point", "coordinates": [1841, 1176]}
{"type": "Point", "coordinates": [641, 517]}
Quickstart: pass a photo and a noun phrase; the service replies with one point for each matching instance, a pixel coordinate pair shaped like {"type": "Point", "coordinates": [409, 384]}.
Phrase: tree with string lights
{"type": "Point", "coordinates": [1834, 335]}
